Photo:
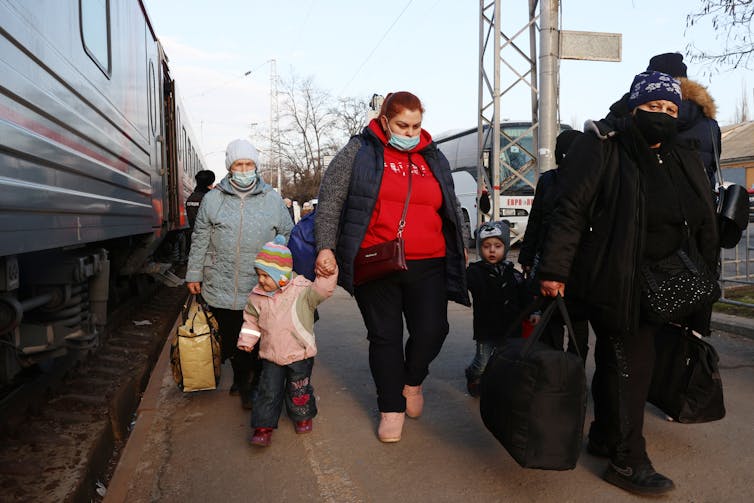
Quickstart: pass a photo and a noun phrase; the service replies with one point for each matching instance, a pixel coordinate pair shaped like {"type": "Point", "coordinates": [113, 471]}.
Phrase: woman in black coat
{"type": "Point", "coordinates": [630, 196]}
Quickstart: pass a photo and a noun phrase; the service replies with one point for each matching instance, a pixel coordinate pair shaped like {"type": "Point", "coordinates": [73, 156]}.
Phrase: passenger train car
{"type": "Point", "coordinates": [96, 161]}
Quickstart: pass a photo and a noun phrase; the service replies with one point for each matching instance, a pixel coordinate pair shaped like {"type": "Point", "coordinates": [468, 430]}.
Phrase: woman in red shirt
{"type": "Point", "coordinates": [361, 202]}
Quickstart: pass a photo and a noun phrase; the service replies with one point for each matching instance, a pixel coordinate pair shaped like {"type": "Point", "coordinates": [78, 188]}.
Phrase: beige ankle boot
{"type": "Point", "coordinates": [391, 426]}
{"type": "Point", "coordinates": [414, 400]}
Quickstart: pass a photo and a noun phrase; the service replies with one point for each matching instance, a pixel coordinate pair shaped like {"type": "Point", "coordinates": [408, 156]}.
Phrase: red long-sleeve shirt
{"type": "Point", "coordinates": [423, 232]}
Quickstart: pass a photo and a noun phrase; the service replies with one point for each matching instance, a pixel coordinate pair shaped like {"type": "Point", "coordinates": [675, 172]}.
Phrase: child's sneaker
{"type": "Point", "coordinates": [262, 437]}
{"type": "Point", "coordinates": [304, 426]}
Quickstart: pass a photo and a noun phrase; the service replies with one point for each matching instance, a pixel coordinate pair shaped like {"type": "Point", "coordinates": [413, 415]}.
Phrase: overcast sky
{"type": "Point", "coordinates": [429, 47]}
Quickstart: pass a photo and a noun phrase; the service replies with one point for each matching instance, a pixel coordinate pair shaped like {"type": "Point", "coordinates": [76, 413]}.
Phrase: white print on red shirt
{"type": "Point", "coordinates": [399, 169]}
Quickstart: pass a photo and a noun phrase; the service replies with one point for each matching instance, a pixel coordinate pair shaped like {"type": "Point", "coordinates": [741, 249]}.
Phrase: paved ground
{"type": "Point", "coordinates": [193, 447]}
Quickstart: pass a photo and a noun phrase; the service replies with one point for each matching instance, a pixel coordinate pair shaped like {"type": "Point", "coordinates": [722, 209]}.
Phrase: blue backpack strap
{"type": "Point", "coordinates": [303, 246]}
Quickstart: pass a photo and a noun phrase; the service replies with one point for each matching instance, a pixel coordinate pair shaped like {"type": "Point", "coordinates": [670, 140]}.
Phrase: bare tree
{"type": "Point", "coordinates": [731, 21]}
{"type": "Point", "coordinates": [306, 135]}
{"type": "Point", "coordinates": [313, 126]}
{"type": "Point", "coordinates": [742, 108]}
{"type": "Point", "coordinates": [350, 116]}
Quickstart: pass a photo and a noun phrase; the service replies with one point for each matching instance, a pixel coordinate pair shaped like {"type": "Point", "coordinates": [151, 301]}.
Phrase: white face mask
{"type": "Point", "coordinates": [403, 142]}
{"type": "Point", "coordinates": [244, 178]}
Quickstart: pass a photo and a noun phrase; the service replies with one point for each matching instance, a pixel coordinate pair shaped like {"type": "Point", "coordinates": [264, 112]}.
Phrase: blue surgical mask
{"type": "Point", "coordinates": [244, 178]}
{"type": "Point", "coordinates": [403, 142]}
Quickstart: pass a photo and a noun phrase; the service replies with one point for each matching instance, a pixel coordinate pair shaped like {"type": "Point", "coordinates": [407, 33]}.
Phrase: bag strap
{"type": "Point", "coordinates": [717, 161]}
{"type": "Point", "coordinates": [187, 307]}
{"type": "Point", "coordinates": [557, 303]}
{"type": "Point", "coordinates": [402, 223]}
{"type": "Point", "coordinates": [649, 278]}
{"type": "Point", "coordinates": [690, 265]}
{"type": "Point", "coordinates": [208, 314]}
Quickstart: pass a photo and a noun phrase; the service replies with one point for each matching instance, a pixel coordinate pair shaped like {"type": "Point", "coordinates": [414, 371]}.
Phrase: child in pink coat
{"type": "Point", "coordinates": [279, 315]}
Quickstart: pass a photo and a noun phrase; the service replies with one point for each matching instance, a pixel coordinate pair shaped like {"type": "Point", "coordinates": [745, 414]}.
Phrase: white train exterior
{"type": "Point", "coordinates": [96, 161]}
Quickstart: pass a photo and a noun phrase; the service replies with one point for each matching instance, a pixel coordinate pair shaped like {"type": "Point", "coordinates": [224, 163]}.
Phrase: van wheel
{"type": "Point", "coordinates": [468, 233]}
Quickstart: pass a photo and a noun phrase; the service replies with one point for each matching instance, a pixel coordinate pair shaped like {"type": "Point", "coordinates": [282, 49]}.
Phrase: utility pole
{"type": "Point", "coordinates": [549, 69]}
{"type": "Point", "coordinates": [275, 125]}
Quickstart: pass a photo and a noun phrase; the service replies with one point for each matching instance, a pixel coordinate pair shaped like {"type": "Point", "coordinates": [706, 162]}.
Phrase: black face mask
{"type": "Point", "coordinates": [656, 127]}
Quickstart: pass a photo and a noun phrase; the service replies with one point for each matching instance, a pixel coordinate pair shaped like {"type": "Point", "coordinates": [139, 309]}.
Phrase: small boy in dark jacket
{"type": "Point", "coordinates": [499, 295]}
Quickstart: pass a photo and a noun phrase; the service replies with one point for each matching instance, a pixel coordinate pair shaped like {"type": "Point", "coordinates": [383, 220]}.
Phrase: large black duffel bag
{"type": "Point", "coordinates": [686, 382]}
{"type": "Point", "coordinates": [533, 398]}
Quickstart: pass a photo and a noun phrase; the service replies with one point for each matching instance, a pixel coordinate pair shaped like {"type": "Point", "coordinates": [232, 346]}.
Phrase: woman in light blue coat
{"type": "Point", "coordinates": [234, 221]}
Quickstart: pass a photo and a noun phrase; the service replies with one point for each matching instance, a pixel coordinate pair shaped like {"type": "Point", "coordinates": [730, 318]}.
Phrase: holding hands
{"type": "Point", "coordinates": [325, 265]}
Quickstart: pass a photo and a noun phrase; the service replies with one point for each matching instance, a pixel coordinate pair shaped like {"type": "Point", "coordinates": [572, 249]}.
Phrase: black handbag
{"type": "Point", "coordinates": [732, 206]}
{"type": "Point", "coordinates": [533, 398]}
{"type": "Point", "coordinates": [686, 382]}
{"type": "Point", "coordinates": [677, 286]}
{"type": "Point", "coordinates": [732, 214]}
{"type": "Point", "coordinates": [378, 261]}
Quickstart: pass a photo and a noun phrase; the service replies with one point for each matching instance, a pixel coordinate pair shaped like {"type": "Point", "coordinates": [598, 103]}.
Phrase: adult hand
{"type": "Point", "coordinates": [552, 288]}
{"type": "Point", "coordinates": [194, 287]}
{"type": "Point", "coordinates": [325, 265]}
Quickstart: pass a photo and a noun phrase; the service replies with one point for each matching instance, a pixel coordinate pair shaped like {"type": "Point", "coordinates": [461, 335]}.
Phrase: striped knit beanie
{"type": "Point", "coordinates": [275, 259]}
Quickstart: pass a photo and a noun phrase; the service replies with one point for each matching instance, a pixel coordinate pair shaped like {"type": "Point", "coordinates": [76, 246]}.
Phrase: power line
{"type": "Point", "coordinates": [215, 88]}
{"type": "Point", "coordinates": [376, 46]}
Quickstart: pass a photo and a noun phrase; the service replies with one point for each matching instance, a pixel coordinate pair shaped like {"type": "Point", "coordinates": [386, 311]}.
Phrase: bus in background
{"type": "Point", "coordinates": [516, 195]}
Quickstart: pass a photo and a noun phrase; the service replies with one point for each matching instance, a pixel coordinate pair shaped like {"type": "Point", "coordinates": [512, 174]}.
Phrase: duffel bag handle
{"type": "Point", "coordinates": [556, 303]}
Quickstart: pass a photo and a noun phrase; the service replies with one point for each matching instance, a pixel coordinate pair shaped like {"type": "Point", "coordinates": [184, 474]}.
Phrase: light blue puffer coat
{"type": "Point", "coordinates": [230, 229]}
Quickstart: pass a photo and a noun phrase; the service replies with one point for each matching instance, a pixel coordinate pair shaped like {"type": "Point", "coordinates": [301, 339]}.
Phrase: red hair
{"type": "Point", "coordinates": [396, 102]}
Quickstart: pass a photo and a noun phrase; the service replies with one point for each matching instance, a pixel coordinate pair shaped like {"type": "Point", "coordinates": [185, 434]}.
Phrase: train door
{"type": "Point", "coordinates": [156, 130]}
{"type": "Point", "coordinates": [172, 150]}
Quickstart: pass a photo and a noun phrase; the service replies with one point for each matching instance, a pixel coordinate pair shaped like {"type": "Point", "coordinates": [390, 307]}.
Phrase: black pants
{"type": "Point", "coordinates": [419, 295]}
{"type": "Point", "coordinates": [620, 386]}
{"type": "Point", "coordinates": [244, 364]}
{"type": "Point", "coordinates": [278, 384]}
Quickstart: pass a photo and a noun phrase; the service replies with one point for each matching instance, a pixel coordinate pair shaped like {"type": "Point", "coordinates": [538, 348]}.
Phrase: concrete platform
{"type": "Point", "coordinates": [194, 447]}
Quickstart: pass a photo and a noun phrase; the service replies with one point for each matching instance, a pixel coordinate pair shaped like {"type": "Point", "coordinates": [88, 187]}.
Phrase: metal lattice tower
{"type": "Point", "coordinates": [507, 68]}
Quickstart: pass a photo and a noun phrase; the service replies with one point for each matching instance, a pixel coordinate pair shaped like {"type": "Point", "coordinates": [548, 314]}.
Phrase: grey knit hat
{"type": "Point", "coordinates": [240, 149]}
{"type": "Point", "coordinates": [500, 229]}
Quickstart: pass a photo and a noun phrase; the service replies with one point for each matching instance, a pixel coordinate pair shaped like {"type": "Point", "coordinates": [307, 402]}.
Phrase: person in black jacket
{"type": "Point", "coordinates": [696, 115]}
{"type": "Point", "coordinates": [499, 294]}
{"type": "Point", "coordinates": [204, 180]}
{"type": "Point", "coordinates": [546, 197]}
{"type": "Point", "coordinates": [630, 196]}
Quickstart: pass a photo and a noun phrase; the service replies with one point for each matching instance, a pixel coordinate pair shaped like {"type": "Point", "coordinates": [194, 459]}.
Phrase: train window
{"type": "Point", "coordinates": [95, 31]}
{"type": "Point", "coordinates": [189, 152]}
{"type": "Point", "coordinates": [183, 139]}
{"type": "Point", "coordinates": [152, 92]}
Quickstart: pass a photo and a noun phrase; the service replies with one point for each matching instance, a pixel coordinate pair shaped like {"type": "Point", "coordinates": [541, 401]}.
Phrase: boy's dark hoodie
{"type": "Point", "coordinates": [498, 290]}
